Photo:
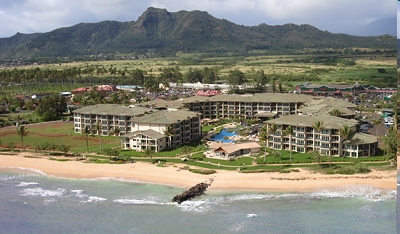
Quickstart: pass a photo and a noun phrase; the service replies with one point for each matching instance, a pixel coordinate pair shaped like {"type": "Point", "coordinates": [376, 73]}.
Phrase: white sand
{"type": "Point", "coordinates": [223, 180]}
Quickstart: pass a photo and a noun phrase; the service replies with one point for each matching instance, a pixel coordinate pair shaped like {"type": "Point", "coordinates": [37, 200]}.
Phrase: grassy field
{"type": "Point", "coordinates": [289, 69]}
{"type": "Point", "coordinates": [60, 132]}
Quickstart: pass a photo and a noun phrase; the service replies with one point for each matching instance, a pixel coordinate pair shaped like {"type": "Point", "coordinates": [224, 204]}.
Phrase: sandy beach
{"type": "Point", "coordinates": [173, 175]}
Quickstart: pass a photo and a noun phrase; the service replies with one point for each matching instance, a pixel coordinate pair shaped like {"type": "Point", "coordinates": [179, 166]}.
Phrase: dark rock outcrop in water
{"type": "Point", "coordinates": [192, 192]}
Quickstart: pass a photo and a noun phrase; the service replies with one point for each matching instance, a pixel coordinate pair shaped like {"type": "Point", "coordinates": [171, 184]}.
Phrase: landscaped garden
{"type": "Point", "coordinates": [53, 134]}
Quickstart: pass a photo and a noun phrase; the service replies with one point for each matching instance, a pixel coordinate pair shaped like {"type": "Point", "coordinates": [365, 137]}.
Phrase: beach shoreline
{"type": "Point", "coordinates": [175, 176]}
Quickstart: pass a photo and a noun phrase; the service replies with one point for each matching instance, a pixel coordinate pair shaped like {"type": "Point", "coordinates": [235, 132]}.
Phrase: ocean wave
{"type": "Point", "coordinates": [79, 193]}
{"type": "Point", "coordinates": [95, 199]}
{"type": "Point", "coordinates": [195, 206]}
{"type": "Point", "coordinates": [40, 192]}
{"type": "Point", "coordinates": [251, 215]}
{"type": "Point", "coordinates": [366, 192]}
{"type": "Point", "coordinates": [138, 202]}
{"type": "Point", "coordinates": [10, 177]}
{"type": "Point", "coordinates": [35, 171]}
{"type": "Point", "coordinates": [24, 184]}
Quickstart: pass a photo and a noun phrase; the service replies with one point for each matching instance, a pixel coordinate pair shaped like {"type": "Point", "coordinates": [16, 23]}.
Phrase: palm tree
{"type": "Point", "coordinates": [289, 131]}
{"type": "Point", "coordinates": [87, 132]}
{"type": "Point", "coordinates": [264, 137]}
{"type": "Point", "coordinates": [98, 129]}
{"type": "Point", "coordinates": [271, 131]}
{"type": "Point", "coordinates": [348, 96]}
{"type": "Point", "coordinates": [318, 126]}
{"type": "Point", "coordinates": [22, 132]}
{"type": "Point", "coordinates": [336, 112]}
{"type": "Point", "coordinates": [376, 122]}
{"type": "Point", "coordinates": [345, 133]}
{"type": "Point", "coordinates": [115, 132]}
{"type": "Point", "coordinates": [169, 132]}
{"type": "Point", "coordinates": [362, 97]}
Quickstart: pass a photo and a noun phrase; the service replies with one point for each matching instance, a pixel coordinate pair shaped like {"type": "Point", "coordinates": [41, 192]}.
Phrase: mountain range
{"type": "Point", "coordinates": [163, 33]}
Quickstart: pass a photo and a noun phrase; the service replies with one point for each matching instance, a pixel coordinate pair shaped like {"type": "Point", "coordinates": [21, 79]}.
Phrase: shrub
{"type": "Point", "coordinates": [202, 171]}
{"type": "Point", "coordinates": [346, 171]}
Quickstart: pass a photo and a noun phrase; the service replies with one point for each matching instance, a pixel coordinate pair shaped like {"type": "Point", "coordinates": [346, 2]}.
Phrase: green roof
{"type": "Point", "coordinates": [113, 109]}
{"type": "Point", "coordinates": [166, 116]}
{"type": "Point", "coordinates": [150, 133]}
{"type": "Point", "coordinates": [363, 138]}
{"type": "Point", "coordinates": [260, 97]}
{"type": "Point", "coordinates": [330, 122]}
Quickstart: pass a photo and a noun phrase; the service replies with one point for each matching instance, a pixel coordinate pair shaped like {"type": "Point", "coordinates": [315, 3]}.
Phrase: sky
{"type": "Point", "coordinates": [336, 16]}
{"type": "Point", "coordinates": [398, 19]}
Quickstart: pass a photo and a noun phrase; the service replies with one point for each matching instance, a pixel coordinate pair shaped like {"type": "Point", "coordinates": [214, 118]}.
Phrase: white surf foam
{"type": "Point", "coordinates": [24, 184]}
{"type": "Point", "coordinates": [137, 202]}
{"type": "Point", "coordinates": [40, 192]}
{"type": "Point", "coordinates": [95, 199]}
{"type": "Point", "coordinates": [365, 192]}
{"type": "Point", "coordinates": [251, 215]}
{"type": "Point", "coordinates": [194, 206]}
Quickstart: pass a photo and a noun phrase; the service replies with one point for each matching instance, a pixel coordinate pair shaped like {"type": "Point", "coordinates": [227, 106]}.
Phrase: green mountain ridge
{"type": "Point", "coordinates": [160, 32]}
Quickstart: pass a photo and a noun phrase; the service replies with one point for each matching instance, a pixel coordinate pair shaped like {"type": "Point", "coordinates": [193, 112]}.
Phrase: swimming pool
{"type": "Point", "coordinates": [224, 133]}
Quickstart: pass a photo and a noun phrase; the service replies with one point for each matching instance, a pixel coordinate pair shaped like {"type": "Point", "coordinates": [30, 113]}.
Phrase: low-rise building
{"type": "Point", "coordinates": [139, 127]}
{"type": "Point", "coordinates": [327, 140]}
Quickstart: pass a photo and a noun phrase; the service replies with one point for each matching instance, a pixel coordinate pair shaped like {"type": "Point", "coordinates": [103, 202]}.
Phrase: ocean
{"type": "Point", "coordinates": [31, 202]}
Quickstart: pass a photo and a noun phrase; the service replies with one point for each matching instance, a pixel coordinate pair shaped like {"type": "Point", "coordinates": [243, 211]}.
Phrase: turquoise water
{"type": "Point", "coordinates": [224, 133]}
{"type": "Point", "coordinates": [31, 202]}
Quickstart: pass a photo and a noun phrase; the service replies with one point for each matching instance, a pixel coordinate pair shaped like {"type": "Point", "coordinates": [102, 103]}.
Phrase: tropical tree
{"type": "Point", "coordinates": [148, 153]}
{"type": "Point", "coordinates": [362, 98]}
{"type": "Point", "coordinates": [264, 137]}
{"type": "Point", "coordinates": [289, 131]}
{"type": "Point", "coordinates": [22, 132]}
{"type": "Point", "coordinates": [236, 77]}
{"type": "Point", "coordinates": [185, 149]}
{"type": "Point", "coordinates": [98, 129]}
{"type": "Point", "coordinates": [376, 122]}
{"type": "Point", "coordinates": [169, 132]}
{"type": "Point", "coordinates": [318, 126]}
{"type": "Point", "coordinates": [345, 132]}
{"type": "Point", "coordinates": [391, 142]}
{"type": "Point", "coordinates": [348, 96]}
{"type": "Point", "coordinates": [317, 157]}
{"type": "Point", "coordinates": [336, 112]}
{"type": "Point", "coordinates": [271, 131]}
{"type": "Point", "coordinates": [86, 132]}
{"type": "Point", "coordinates": [115, 132]}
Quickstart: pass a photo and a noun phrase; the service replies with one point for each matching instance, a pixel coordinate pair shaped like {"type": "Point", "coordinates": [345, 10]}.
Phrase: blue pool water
{"type": "Point", "coordinates": [220, 136]}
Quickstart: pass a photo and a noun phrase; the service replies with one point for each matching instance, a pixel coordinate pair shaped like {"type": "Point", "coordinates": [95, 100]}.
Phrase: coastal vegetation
{"type": "Point", "coordinates": [45, 138]}
{"type": "Point", "coordinates": [260, 58]}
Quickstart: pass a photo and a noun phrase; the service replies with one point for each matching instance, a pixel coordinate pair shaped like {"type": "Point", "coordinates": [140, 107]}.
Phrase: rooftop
{"type": "Point", "coordinates": [166, 116]}
{"type": "Point", "coordinates": [114, 109]}
{"type": "Point", "coordinates": [330, 122]}
{"type": "Point", "coordinates": [260, 97]}
{"type": "Point", "coordinates": [150, 133]}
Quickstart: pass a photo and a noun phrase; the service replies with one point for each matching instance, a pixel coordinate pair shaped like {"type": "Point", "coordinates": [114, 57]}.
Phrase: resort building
{"type": "Point", "coordinates": [246, 106]}
{"type": "Point", "coordinates": [232, 150]}
{"type": "Point", "coordinates": [161, 130]}
{"type": "Point", "coordinates": [327, 140]}
{"type": "Point", "coordinates": [330, 106]}
{"type": "Point", "coordinates": [108, 116]}
{"type": "Point", "coordinates": [341, 89]}
{"type": "Point", "coordinates": [139, 127]}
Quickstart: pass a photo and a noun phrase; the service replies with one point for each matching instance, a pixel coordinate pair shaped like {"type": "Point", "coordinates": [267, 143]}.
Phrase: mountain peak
{"type": "Point", "coordinates": [160, 32]}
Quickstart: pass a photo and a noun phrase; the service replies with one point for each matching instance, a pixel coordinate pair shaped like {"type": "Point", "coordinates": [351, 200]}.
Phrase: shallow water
{"type": "Point", "coordinates": [35, 203]}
